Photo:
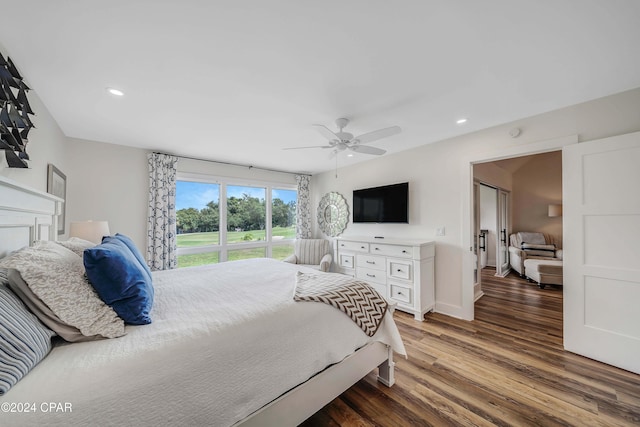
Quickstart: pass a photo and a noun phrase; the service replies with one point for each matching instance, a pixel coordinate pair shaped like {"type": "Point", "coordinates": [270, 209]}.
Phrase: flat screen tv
{"type": "Point", "coordinates": [389, 203]}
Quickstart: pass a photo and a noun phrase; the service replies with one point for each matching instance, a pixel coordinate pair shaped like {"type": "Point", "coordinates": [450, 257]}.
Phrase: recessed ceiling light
{"type": "Point", "coordinates": [350, 155]}
{"type": "Point", "coordinates": [116, 92]}
{"type": "Point", "coordinates": [461, 121]}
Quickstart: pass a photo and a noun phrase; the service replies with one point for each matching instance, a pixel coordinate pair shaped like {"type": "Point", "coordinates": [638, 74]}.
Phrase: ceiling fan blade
{"type": "Point", "coordinates": [377, 134]}
{"type": "Point", "coordinates": [367, 150]}
{"type": "Point", "coordinates": [311, 146]}
{"type": "Point", "coordinates": [326, 133]}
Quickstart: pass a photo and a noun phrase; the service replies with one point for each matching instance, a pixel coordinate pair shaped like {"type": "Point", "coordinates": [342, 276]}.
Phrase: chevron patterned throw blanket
{"type": "Point", "coordinates": [358, 300]}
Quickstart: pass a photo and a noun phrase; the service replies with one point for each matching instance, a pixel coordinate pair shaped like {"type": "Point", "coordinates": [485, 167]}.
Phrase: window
{"type": "Point", "coordinates": [219, 221]}
{"type": "Point", "coordinates": [283, 221]}
{"type": "Point", "coordinates": [246, 214]}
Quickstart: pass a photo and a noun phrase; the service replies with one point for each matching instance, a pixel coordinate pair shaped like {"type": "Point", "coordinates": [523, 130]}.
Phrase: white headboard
{"type": "Point", "coordinates": [26, 215]}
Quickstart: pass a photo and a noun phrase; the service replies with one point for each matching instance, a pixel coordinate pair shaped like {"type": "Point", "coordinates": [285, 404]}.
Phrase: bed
{"type": "Point", "coordinates": [227, 346]}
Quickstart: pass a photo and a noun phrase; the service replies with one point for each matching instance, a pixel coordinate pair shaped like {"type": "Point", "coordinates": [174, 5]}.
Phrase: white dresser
{"type": "Point", "coordinates": [399, 269]}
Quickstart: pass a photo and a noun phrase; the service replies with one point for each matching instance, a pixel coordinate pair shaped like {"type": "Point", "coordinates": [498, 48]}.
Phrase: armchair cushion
{"type": "Point", "coordinates": [314, 253]}
{"type": "Point", "coordinates": [517, 239]}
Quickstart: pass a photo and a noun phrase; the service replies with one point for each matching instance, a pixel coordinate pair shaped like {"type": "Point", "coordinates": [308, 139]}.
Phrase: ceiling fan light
{"type": "Point", "coordinates": [114, 91]}
{"type": "Point", "coordinates": [461, 121]}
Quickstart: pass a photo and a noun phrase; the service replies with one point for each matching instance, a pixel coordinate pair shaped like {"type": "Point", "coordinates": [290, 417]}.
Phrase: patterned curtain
{"type": "Point", "coordinates": [303, 210]}
{"type": "Point", "coordinates": [161, 226]}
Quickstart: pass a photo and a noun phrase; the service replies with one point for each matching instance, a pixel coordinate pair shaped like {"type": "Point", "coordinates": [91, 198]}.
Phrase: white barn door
{"type": "Point", "coordinates": [601, 221]}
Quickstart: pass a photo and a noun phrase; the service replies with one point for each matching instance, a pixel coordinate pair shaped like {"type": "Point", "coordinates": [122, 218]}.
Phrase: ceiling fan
{"type": "Point", "coordinates": [340, 141]}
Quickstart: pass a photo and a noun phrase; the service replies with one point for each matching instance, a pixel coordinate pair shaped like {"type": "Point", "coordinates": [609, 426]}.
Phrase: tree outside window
{"type": "Point", "coordinates": [203, 236]}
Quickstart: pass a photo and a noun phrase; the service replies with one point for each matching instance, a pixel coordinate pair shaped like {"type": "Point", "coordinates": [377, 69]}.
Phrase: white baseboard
{"type": "Point", "coordinates": [477, 292]}
{"type": "Point", "coordinates": [504, 273]}
{"type": "Point", "coordinates": [450, 310]}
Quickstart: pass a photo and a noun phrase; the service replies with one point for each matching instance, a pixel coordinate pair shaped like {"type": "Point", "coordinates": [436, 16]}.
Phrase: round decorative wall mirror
{"type": "Point", "coordinates": [333, 214]}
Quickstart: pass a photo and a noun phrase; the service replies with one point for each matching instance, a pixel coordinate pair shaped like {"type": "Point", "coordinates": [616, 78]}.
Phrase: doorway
{"type": "Point", "coordinates": [512, 195]}
{"type": "Point", "coordinates": [468, 232]}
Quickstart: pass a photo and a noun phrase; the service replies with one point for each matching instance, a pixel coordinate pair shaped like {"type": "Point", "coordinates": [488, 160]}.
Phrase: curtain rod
{"type": "Point", "coordinates": [234, 164]}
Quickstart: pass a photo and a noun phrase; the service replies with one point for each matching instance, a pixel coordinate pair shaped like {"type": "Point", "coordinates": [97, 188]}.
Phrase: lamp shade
{"type": "Point", "coordinates": [555, 210]}
{"type": "Point", "coordinates": [92, 231]}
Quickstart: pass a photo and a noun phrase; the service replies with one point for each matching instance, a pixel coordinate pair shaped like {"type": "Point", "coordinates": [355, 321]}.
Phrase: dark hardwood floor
{"type": "Point", "coordinates": [505, 368]}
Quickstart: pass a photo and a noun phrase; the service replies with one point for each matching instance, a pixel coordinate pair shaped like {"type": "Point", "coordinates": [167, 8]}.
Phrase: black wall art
{"type": "Point", "coordinates": [15, 123]}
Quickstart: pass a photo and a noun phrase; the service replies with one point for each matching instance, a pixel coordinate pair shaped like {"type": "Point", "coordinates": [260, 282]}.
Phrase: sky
{"type": "Point", "coordinates": [198, 194]}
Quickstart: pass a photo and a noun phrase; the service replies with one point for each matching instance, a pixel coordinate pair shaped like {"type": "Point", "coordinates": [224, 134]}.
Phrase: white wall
{"type": "Point", "coordinates": [536, 185]}
{"type": "Point", "coordinates": [491, 174]}
{"type": "Point", "coordinates": [109, 182]}
{"type": "Point", "coordinates": [437, 173]}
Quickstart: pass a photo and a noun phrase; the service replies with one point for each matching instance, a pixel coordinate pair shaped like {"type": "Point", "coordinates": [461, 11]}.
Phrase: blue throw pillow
{"type": "Point", "coordinates": [132, 247]}
{"type": "Point", "coordinates": [120, 280]}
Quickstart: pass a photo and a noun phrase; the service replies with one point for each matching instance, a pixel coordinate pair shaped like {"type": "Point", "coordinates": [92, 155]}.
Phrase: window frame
{"type": "Point", "coordinates": [223, 246]}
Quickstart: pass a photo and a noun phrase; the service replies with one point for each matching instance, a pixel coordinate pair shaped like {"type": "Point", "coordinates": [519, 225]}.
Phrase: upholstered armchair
{"type": "Point", "coordinates": [314, 253]}
{"type": "Point", "coordinates": [527, 245]}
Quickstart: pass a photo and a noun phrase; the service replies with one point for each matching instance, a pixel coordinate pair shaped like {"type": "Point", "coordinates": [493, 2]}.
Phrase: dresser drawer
{"type": "Point", "coordinates": [399, 269]}
{"type": "Point", "coordinates": [400, 293]}
{"type": "Point", "coordinates": [346, 261]}
{"type": "Point", "coordinates": [370, 261]}
{"type": "Point", "coordinates": [371, 275]}
{"type": "Point", "coordinates": [353, 246]}
{"type": "Point", "coordinates": [392, 250]}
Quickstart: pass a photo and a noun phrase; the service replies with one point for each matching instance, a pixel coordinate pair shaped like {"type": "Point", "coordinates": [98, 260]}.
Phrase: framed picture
{"type": "Point", "coordinates": [57, 185]}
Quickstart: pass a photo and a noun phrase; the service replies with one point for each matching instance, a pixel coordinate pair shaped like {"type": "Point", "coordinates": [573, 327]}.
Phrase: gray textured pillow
{"type": "Point", "coordinates": [77, 245]}
{"type": "Point", "coordinates": [42, 312]}
{"type": "Point", "coordinates": [24, 341]}
{"type": "Point", "coordinates": [56, 276]}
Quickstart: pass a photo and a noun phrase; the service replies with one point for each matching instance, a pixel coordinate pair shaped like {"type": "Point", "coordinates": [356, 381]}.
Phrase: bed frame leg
{"type": "Point", "coordinates": [386, 370]}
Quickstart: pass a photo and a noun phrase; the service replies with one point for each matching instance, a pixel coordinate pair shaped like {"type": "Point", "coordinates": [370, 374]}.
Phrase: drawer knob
{"type": "Point", "coordinates": [377, 249]}
{"type": "Point", "coordinates": [342, 244]}
{"type": "Point", "coordinates": [361, 247]}
{"type": "Point", "coordinates": [400, 293]}
{"type": "Point", "coordinates": [399, 271]}
{"type": "Point", "coordinates": [371, 262]}
{"type": "Point", "coordinates": [371, 275]}
{"type": "Point", "coordinates": [404, 252]}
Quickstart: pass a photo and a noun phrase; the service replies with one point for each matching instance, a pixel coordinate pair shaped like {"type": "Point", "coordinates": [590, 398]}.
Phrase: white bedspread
{"type": "Point", "coordinates": [225, 340]}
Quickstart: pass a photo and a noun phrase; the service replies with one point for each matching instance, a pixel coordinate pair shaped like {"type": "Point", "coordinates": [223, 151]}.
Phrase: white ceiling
{"type": "Point", "coordinates": [237, 81]}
